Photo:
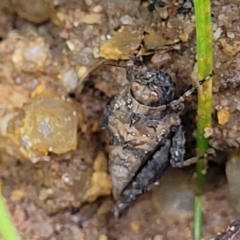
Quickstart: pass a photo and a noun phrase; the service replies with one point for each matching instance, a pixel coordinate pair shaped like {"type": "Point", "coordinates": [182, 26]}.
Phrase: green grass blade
{"type": "Point", "coordinates": [197, 218]}
{"type": "Point", "coordinates": [205, 66]}
{"type": "Point", "coordinates": [7, 230]}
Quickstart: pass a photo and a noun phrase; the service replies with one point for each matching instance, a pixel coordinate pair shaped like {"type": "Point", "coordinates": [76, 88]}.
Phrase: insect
{"type": "Point", "coordinates": [145, 134]}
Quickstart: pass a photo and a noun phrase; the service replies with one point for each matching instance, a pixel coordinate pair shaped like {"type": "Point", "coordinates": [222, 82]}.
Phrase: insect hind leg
{"type": "Point", "coordinates": [177, 150]}
{"type": "Point", "coordinates": [145, 179]}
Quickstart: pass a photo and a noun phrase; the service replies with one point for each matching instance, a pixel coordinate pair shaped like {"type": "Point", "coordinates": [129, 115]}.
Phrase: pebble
{"type": "Point", "coordinates": [158, 237]}
{"type": "Point", "coordinates": [69, 79]}
{"type": "Point", "coordinates": [230, 34]}
{"type": "Point", "coordinates": [88, 2]}
{"type": "Point", "coordinates": [81, 71]}
{"type": "Point", "coordinates": [97, 9]}
{"type": "Point", "coordinates": [44, 113]}
{"type": "Point", "coordinates": [134, 226]}
{"type": "Point", "coordinates": [126, 20]}
{"type": "Point", "coordinates": [217, 33]}
{"type": "Point", "coordinates": [103, 237]}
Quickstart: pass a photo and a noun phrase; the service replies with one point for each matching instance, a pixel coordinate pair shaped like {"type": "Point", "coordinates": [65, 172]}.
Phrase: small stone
{"type": "Point", "coordinates": [101, 185]}
{"type": "Point", "coordinates": [184, 37]}
{"type": "Point", "coordinates": [31, 55]}
{"type": "Point", "coordinates": [52, 122]}
{"type": "Point", "coordinates": [77, 233]}
{"type": "Point", "coordinates": [81, 71]}
{"type": "Point", "coordinates": [187, 5]}
{"type": "Point", "coordinates": [95, 127]}
{"type": "Point", "coordinates": [126, 20]}
{"type": "Point", "coordinates": [70, 45]}
{"type": "Point", "coordinates": [208, 132]}
{"type": "Point", "coordinates": [69, 79]}
{"type": "Point", "coordinates": [134, 226]}
{"type": "Point", "coordinates": [97, 9]}
{"type": "Point", "coordinates": [230, 34]}
{"type": "Point", "coordinates": [160, 58]}
{"type": "Point", "coordinates": [45, 193]}
{"type": "Point", "coordinates": [95, 52]}
{"type": "Point", "coordinates": [18, 194]}
{"type": "Point", "coordinates": [100, 163]}
{"type": "Point", "coordinates": [36, 12]}
{"type": "Point", "coordinates": [45, 230]}
{"type": "Point", "coordinates": [158, 237]}
{"type": "Point", "coordinates": [92, 18]}
{"type": "Point", "coordinates": [238, 106]}
{"type": "Point", "coordinates": [88, 2]}
{"type": "Point", "coordinates": [67, 179]}
{"type": "Point", "coordinates": [103, 237]}
{"type": "Point", "coordinates": [223, 116]}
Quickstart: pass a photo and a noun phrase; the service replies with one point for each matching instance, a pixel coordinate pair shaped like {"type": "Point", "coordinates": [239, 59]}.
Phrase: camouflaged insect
{"type": "Point", "coordinates": [145, 135]}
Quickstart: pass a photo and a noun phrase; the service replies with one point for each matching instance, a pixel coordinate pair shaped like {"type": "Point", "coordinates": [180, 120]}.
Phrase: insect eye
{"type": "Point", "coordinates": [154, 94]}
{"type": "Point", "coordinates": [135, 86]}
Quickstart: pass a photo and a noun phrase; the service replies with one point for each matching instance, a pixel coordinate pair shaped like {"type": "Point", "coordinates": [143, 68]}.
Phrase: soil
{"type": "Point", "coordinates": [63, 192]}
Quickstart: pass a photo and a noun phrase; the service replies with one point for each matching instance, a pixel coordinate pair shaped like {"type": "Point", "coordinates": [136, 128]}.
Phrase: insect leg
{"type": "Point", "coordinates": [103, 122]}
{"type": "Point", "coordinates": [210, 153]}
{"type": "Point", "coordinates": [193, 160]}
{"type": "Point", "coordinates": [177, 150]}
{"type": "Point", "coordinates": [145, 178]}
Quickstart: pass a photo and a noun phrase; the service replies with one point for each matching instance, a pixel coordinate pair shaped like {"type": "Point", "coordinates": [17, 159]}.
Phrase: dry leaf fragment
{"type": "Point", "coordinates": [229, 49]}
{"type": "Point", "coordinates": [122, 45]}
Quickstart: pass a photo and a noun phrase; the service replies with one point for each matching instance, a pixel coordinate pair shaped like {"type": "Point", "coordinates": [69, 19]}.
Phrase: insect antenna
{"type": "Point", "coordinates": [175, 103]}
{"type": "Point", "coordinates": [199, 83]}
{"type": "Point", "coordinates": [120, 63]}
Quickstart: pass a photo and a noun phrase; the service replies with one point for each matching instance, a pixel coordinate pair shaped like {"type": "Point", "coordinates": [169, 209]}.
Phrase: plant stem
{"type": "Point", "coordinates": [7, 230]}
{"type": "Point", "coordinates": [197, 218]}
{"type": "Point", "coordinates": [205, 66]}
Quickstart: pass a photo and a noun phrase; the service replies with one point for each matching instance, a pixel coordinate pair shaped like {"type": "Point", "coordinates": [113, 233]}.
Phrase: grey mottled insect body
{"type": "Point", "coordinates": [145, 133]}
